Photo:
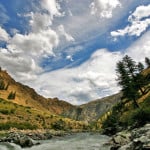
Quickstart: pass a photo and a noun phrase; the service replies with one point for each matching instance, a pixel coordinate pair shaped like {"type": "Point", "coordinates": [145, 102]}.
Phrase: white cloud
{"type": "Point", "coordinates": [52, 7]}
{"type": "Point", "coordinates": [4, 36]}
{"type": "Point", "coordinates": [140, 21]}
{"type": "Point", "coordinates": [39, 22]}
{"type": "Point", "coordinates": [69, 57]}
{"type": "Point", "coordinates": [93, 79]}
{"type": "Point", "coordinates": [66, 35]}
{"type": "Point", "coordinates": [140, 13]}
{"type": "Point", "coordinates": [34, 43]}
{"type": "Point", "coordinates": [21, 66]}
{"type": "Point", "coordinates": [24, 51]}
{"type": "Point", "coordinates": [141, 48]}
{"type": "Point", "coordinates": [104, 8]}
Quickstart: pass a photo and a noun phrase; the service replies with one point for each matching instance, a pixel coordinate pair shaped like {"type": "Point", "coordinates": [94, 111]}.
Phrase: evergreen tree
{"type": "Point", "coordinates": [147, 61]}
{"type": "Point", "coordinates": [130, 79]}
{"type": "Point", "coordinates": [12, 95]}
{"type": "Point", "coordinates": [140, 67]}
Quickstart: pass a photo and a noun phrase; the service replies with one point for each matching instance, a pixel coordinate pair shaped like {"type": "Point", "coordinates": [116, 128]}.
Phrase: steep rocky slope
{"type": "Point", "coordinates": [94, 109]}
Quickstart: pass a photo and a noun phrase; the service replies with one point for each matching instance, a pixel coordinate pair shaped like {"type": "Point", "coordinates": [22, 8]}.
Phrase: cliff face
{"type": "Point", "coordinates": [93, 110]}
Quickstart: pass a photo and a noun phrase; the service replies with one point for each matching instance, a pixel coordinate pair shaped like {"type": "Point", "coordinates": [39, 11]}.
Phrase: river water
{"type": "Point", "coordinates": [80, 141]}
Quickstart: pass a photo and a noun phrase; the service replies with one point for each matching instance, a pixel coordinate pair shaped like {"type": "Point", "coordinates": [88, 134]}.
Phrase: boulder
{"type": "Point", "coordinates": [19, 139]}
{"type": "Point", "coordinates": [136, 139]}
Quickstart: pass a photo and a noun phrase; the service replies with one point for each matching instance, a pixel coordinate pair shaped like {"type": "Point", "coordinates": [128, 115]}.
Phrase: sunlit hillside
{"type": "Point", "coordinates": [28, 110]}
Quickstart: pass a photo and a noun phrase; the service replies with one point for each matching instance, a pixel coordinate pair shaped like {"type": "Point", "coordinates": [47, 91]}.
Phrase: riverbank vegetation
{"type": "Point", "coordinates": [134, 108]}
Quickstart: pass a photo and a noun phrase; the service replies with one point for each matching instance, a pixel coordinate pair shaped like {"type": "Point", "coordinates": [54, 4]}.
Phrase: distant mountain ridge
{"type": "Point", "coordinates": [93, 110]}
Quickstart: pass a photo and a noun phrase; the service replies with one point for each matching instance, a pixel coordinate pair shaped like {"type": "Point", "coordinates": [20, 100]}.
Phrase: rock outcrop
{"type": "Point", "coordinates": [137, 139]}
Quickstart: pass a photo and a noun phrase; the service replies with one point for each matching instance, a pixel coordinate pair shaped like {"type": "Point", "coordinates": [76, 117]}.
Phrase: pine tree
{"type": "Point", "coordinates": [130, 78]}
{"type": "Point", "coordinates": [12, 95]}
{"type": "Point", "coordinates": [140, 67]}
{"type": "Point", "coordinates": [147, 61]}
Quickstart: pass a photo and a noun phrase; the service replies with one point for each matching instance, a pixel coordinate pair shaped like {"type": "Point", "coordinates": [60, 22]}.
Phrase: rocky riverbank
{"type": "Point", "coordinates": [136, 139]}
{"type": "Point", "coordinates": [29, 138]}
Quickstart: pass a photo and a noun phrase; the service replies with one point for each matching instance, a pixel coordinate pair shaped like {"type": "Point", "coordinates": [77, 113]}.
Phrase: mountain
{"type": "Point", "coordinates": [22, 108]}
{"type": "Point", "coordinates": [28, 98]}
{"type": "Point", "coordinates": [93, 110]}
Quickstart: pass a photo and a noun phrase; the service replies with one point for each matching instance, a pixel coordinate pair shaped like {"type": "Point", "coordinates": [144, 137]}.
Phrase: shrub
{"type": "Point", "coordinates": [140, 117]}
{"type": "Point", "coordinates": [4, 111]}
{"type": "Point", "coordinates": [12, 95]}
{"type": "Point", "coordinates": [59, 125]}
{"type": "Point", "coordinates": [110, 125]}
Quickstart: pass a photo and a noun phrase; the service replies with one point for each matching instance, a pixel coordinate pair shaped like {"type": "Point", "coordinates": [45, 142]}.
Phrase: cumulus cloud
{"type": "Point", "coordinates": [4, 36]}
{"type": "Point", "coordinates": [52, 7]}
{"type": "Point", "coordinates": [34, 43]}
{"type": "Point", "coordinates": [19, 65]}
{"type": "Point", "coordinates": [104, 8]}
{"type": "Point", "coordinates": [141, 48]}
{"type": "Point", "coordinates": [93, 79]}
{"type": "Point", "coordinates": [139, 21]}
{"type": "Point", "coordinates": [39, 21]}
{"type": "Point", "coordinates": [140, 13]}
{"type": "Point", "coordinates": [63, 32]}
{"type": "Point", "coordinates": [24, 51]}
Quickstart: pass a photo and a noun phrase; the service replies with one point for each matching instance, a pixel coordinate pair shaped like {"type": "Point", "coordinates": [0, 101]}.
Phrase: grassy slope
{"type": "Point", "coordinates": [21, 117]}
{"type": "Point", "coordinates": [30, 110]}
{"type": "Point", "coordinates": [27, 96]}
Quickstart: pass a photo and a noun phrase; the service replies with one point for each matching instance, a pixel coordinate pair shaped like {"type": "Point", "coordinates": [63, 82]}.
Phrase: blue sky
{"type": "Point", "coordinates": [68, 49]}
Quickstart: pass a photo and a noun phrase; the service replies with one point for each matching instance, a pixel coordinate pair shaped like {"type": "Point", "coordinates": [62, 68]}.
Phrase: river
{"type": "Point", "coordinates": [79, 141]}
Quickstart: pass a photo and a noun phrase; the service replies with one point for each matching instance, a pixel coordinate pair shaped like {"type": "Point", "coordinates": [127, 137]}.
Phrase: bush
{"type": "Point", "coordinates": [140, 117]}
{"type": "Point", "coordinates": [7, 112]}
{"type": "Point", "coordinates": [59, 125]}
{"type": "Point", "coordinates": [110, 125]}
{"type": "Point", "coordinates": [12, 95]}
{"type": "Point", "coordinates": [4, 111]}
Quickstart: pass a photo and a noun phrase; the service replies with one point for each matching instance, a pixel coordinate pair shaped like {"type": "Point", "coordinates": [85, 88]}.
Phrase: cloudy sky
{"type": "Point", "coordinates": [69, 48]}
